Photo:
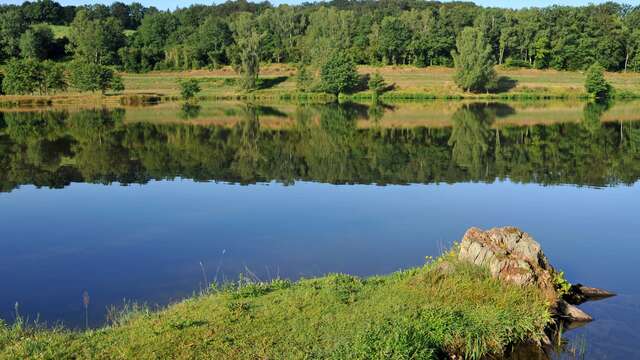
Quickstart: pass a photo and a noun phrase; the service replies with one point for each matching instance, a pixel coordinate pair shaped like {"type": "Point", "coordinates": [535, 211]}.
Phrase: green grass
{"type": "Point", "coordinates": [415, 314]}
{"type": "Point", "coordinates": [411, 83]}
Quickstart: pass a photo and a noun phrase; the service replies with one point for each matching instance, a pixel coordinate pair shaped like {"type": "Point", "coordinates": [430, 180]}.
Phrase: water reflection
{"type": "Point", "coordinates": [325, 144]}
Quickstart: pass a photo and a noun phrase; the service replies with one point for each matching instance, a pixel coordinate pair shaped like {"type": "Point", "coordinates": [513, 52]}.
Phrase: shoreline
{"type": "Point", "coordinates": [449, 307]}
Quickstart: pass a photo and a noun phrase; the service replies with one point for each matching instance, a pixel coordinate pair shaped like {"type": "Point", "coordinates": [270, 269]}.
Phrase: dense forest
{"type": "Point", "coordinates": [135, 38]}
{"type": "Point", "coordinates": [56, 148]}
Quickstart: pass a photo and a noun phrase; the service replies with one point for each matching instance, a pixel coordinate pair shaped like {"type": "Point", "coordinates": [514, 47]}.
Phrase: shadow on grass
{"type": "Point", "coordinates": [268, 83]}
{"type": "Point", "coordinates": [504, 84]}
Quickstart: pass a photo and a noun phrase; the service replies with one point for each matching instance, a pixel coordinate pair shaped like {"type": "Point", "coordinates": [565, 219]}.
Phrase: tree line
{"type": "Point", "coordinates": [55, 148]}
{"type": "Point", "coordinates": [135, 38]}
{"type": "Point", "coordinates": [415, 32]}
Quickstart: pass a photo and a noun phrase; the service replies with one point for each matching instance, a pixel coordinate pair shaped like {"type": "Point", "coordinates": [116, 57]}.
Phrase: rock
{"type": "Point", "coordinates": [510, 255]}
{"type": "Point", "coordinates": [579, 294]}
{"type": "Point", "coordinates": [572, 313]}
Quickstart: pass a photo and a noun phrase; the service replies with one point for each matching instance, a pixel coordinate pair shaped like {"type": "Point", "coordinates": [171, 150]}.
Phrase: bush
{"type": "Point", "coordinates": [189, 89]}
{"type": "Point", "coordinates": [22, 77]}
{"type": "Point", "coordinates": [117, 85]}
{"type": "Point", "coordinates": [339, 74]}
{"type": "Point", "coordinates": [595, 84]}
{"type": "Point", "coordinates": [86, 76]}
{"type": "Point", "coordinates": [53, 77]}
{"type": "Point", "coordinates": [376, 84]}
{"type": "Point", "coordinates": [304, 79]}
{"type": "Point", "coordinates": [28, 76]}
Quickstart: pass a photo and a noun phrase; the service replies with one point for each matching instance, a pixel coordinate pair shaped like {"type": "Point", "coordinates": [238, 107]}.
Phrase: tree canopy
{"type": "Point", "coordinates": [243, 34]}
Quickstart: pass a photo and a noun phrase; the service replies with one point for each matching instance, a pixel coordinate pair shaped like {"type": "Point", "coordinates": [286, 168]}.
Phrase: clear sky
{"type": "Point", "coordinates": [171, 4]}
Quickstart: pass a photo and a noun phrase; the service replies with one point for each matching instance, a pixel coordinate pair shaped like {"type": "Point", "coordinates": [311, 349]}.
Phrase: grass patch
{"type": "Point", "coordinates": [415, 314]}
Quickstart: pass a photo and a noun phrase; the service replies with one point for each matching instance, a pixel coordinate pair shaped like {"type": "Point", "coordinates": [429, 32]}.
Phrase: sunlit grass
{"type": "Point", "coordinates": [418, 313]}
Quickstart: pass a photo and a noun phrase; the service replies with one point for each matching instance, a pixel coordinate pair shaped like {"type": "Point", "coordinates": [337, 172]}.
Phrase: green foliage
{"type": "Point", "coordinates": [595, 84]}
{"type": "Point", "coordinates": [247, 48]}
{"type": "Point", "coordinates": [560, 37]}
{"type": "Point", "coordinates": [377, 84]}
{"type": "Point", "coordinates": [516, 64]}
{"type": "Point", "coordinates": [88, 76]}
{"type": "Point", "coordinates": [36, 43]}
{"type": "Point", "coordinates": [474, 62]}
{"type": "Point", "coordinates": [22, 77]}
{"type": "Point", "coordinates": [12, 25]}
{"type": "Point", "coordinates": [28, 76]}
{"type": "Point", "coordinates": [339, 74]}
{"type": "Point", "coordinates": [211, 42]}
{"type": "Point", "coordinates": [561, 284]}
{"type": "Point", "coordinates": [189, 89]}
{"type": "Point", "coordinates": [117, 84]}
{"type": "Point", "coordinates": [96, 40]}
{"type": "Point", "coordinates": [53, 77]}
{"type": "Point", "coordinates": [393, 40]}
{"type": "Point", "coordinates": [304, 79]}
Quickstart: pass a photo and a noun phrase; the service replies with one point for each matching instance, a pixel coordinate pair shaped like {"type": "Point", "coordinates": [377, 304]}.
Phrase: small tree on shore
{"type": "Point", "coordinates": [473, 60]}
{"type": "Point", "coordinates": [339, 74]}
{"type": "Point", "coordinates": [189, 89]}
{"type": "Point", "coordinates": [376, 84]}
{"type": "Point", "coordinates": [595, 84]}
{"type": "Point", "coordinates": [246, 57]}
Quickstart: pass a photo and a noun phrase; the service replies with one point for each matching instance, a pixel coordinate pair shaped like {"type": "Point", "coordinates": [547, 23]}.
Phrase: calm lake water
{"type": "Point", "coordinates": [127, 203]}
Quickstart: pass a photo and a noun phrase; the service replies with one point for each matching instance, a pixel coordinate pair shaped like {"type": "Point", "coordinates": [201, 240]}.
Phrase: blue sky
{"type": "Point", "coordinates": [171, 4]}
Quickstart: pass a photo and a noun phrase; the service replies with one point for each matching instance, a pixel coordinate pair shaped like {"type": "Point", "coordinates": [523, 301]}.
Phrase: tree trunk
{"type": "Point", "coordinates": [626, 61]}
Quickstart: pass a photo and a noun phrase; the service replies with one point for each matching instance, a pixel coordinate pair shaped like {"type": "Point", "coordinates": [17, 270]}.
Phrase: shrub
{"type": "Point", "coordinates": [53, 77]}
{"type": "Point", "coordinates": [377, 84]}
{"type": "Point", "coordinates": [117, 85]}
{"type": "Point", "coordinates": [303, 79]}
{"type": "Point", "coordinates": [595, 84]}
{"type": "Point", "coordinates": [22, 77]}
{"type": "Point", "coordinates": [86, 76]}
{"type": "Point", "coordinates": [189, 89]}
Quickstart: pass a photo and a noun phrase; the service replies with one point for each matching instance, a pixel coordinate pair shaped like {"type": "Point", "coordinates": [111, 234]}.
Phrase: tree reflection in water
{"type": "Point", "coordinates": [326, 144]}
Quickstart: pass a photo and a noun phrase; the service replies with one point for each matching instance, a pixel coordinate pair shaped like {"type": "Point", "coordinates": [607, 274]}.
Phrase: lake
{"type": "Point", "coordinates": [147, 204]}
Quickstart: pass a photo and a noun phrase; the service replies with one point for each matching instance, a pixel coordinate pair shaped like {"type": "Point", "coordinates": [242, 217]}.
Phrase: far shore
{"type": "Point", "coordinates": [407, 83]}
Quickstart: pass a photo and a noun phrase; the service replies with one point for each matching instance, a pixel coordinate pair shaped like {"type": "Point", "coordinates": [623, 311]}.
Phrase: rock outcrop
{"type": "Point", "coordinates": [514, 256]}
{"type": "Point", "coordinates": [511, 255]}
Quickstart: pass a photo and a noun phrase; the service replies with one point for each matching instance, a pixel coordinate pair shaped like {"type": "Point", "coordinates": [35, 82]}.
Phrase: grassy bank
{"type": "Point", "coordinates": [410, 84]}
{"type": "Point", "coordinates": [415, 314]}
